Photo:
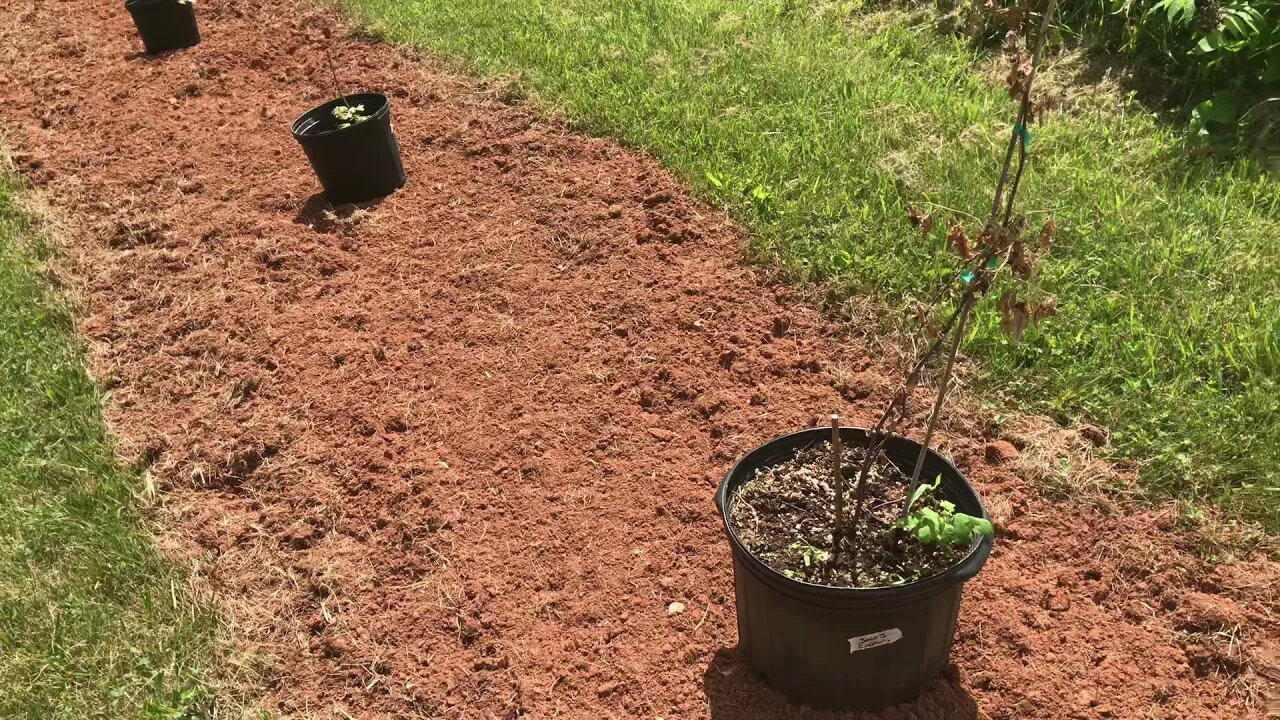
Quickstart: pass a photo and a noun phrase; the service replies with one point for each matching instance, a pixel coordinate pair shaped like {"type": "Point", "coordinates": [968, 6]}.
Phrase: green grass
{"type": "Point", "coordinates": [1168, 272]}
{"type": "Point", "coordinates": [93, 624]}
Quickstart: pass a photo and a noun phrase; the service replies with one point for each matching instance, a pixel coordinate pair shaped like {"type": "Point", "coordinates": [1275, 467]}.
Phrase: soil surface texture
{"type": "Point", "coordinates": [452, 455]}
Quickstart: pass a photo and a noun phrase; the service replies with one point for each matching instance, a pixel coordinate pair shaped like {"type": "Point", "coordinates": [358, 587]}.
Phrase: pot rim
{"type": "Point", "coordinates": [958, 572]}
{"type": "Point", "coordinates": [324, 108]}
{"type": "Point", "coordinates": [135, 3]}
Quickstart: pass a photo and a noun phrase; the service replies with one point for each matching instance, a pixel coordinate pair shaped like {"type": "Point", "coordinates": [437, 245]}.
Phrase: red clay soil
{"type": "Point", "coordinates": [452, 455]}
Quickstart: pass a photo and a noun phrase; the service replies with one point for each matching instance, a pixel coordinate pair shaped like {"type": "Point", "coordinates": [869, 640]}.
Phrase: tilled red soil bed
{"type": "Point", "coordinates": [453, 455]}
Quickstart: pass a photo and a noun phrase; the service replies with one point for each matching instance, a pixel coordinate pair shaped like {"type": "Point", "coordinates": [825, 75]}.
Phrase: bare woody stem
{"type": "Point", "coordinates": [1016, 136]}
{"type": "Point", "coordinates": [874, 444]}
{"type": "Point", "coordinates": [965, 307]}
{"type": "Point", "coordinates": [913, 377]}
{"type": "Point", "coordinates": [1017, 177]}
{"type": "Point", "coordinates": [877, 437]}
{"type": "Point", "coordinates": [1017, 142]}
{"type": "Point", "coordinates": [837, 482]}
{"type": "Point", "coordinates": [333, 72]}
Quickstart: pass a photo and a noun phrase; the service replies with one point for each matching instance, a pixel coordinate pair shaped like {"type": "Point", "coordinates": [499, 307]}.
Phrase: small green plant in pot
{"type": "Point", "coordinates": [165, 24]}
{"type": "Point", "coordinates": [351, 146]}
{"type": "Point", "coordinates": [348, 115]}
{"type": "Point", "coordinates": [851, 546]}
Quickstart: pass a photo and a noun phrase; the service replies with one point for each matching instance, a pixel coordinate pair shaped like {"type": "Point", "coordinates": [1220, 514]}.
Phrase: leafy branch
{"type": "Point", "coordinates": [998, 247]}
{"type": "Point", "coordinates": [346, 114]}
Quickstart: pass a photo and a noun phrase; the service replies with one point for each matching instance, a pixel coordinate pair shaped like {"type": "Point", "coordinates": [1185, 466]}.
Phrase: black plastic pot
{"type": "Point", "coordinates": [164, 24]}
{"type": "Point", "coordinates": [357, 163]}
{"type": "Point", "coordinates": [848, 648]}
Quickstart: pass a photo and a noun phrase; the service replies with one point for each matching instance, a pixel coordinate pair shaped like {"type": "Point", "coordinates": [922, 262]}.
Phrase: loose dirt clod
{"type": "Point", "coordinates": [1001, 452]}
{"type": "Point", "coordinates": [448, 450]}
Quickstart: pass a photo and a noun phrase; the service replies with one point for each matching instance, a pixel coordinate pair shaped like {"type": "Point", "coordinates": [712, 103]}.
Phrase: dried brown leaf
{"type": "Point", "coordinates": [997, 239]}
{"type": "Point", "coordinates": [1019, 63]}
{"type": "Point", "coordinates": [1046, 309]}
{"type": "Point", "coordinates": [987, 238]}
{"type": "Point", "coordinates": [1042, 105]}
{"type": "Point", "coordinates": [958, 241]}
{"type": "Point", "coordinates": [1046, 235]}
{"type": "Point", "coordinates": [1014, 315]}
{"type": "Point", "coordinates": [1014, 16]}
{"type": "Point", "coordinates": [926, 319]}
{"type": "Point", "coordinates": [1022, 264]}
{"type": "Point", "coordinates": [1012, 43]}
{"type": "Point", "coordinates": [920, 219]}
{"type": "Point", "coordinates": [897, 411]}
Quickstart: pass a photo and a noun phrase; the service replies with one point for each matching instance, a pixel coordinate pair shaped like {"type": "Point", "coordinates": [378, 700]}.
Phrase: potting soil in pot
{"type": "Point", "coordinates": [785, 514]}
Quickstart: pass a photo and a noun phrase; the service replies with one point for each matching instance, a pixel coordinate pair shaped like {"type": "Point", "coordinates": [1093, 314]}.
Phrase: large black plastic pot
{"type": "Point", "coordinates": [357, 163]}
{"type": "Point", "coordinates": [164, 24]}
{"type": "Point", "coordinates": [848, 648]}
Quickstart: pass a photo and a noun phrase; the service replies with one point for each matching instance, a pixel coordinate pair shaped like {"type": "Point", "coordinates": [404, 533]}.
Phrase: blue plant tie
{"type": "Point", "coordinates": [1022, 130]}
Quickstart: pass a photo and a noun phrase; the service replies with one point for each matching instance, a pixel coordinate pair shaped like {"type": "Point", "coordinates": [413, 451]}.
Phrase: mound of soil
{"type": "Point", "coordinates": [785, 516]}
{"type": "Point", "coordinates": [453, 454]}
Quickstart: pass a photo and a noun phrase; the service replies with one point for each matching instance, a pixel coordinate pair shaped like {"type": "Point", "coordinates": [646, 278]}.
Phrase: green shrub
{"type": "Point", "coordinates": [1215, 65]}
{"type": "Point", "coordinates": [1226, 56]}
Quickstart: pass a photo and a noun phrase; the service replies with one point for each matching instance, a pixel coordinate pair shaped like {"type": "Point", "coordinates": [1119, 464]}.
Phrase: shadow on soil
{"type": "Point", "coordinates": [323, 216]}
{"type": "Point", "coordinates": [148, 58]}
{"type": "Point", "coordinates": [735, 692]}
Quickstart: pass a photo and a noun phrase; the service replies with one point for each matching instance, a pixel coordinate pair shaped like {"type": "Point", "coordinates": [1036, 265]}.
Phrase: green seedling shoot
{"type": "Point", "coordinates": [348, 115]}
{"type": "Point", "coordinates": [944, 527]}
{"type": "Point", "coordinates": [811, 556]}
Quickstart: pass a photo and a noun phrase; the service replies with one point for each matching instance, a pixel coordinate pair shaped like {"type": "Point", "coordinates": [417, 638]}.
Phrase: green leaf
{"type": "Point", "coordinates": [920, 492]}
{"type": "Point", "coordinates": [985, 528]}
{"type": "Point", "coordinates": [925, 534]}
{"type": "Point", "coordinates": [842, 259]}
{"type": "Point", "coordinates": [1242, 21]}
{"type": "Point", "coordinates": [1178, 12]}
{"type": "Point", "coordinates": [1221, 108]}
{"type": "Point", "coordinates": [974, 526]}
{"type": "Point", "coordinates": [1211, 42]}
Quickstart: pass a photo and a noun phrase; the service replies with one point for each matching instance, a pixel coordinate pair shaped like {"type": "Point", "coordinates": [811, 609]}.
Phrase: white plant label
{"type": "Point", "coordinates": [865, 642]}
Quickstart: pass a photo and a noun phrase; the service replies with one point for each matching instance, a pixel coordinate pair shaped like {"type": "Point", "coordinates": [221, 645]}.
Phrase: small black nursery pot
{"type": "Point", "coordinates": [848, 648]}
{"type": "Point", "coordinates": [357, 163]}
{"type": "Point", "coordinates": [164, 24]}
